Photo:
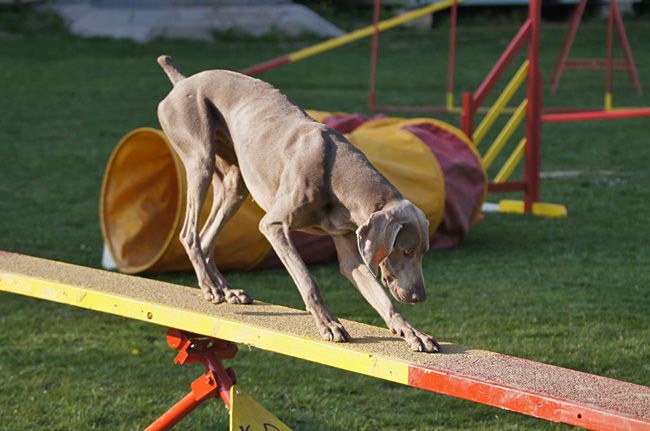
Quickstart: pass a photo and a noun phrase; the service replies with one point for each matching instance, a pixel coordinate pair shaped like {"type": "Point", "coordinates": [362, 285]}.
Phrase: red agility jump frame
{"type": "Point", "coordinates": [528, 33]}
{"type": "Point", "coordinates": [535, 113]}
{"type": "Point", "coordinates": [610, 65]}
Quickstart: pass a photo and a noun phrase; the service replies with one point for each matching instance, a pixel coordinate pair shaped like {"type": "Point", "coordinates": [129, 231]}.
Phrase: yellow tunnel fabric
{"type": "Point", "coordinates": [142, 207]}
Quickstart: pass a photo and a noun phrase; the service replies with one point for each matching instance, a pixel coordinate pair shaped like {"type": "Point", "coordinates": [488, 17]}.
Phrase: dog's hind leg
{"type": "Point", "coordinates": [194, 144]}
{"type": "Point", "coordinates": [198, 183]}
{"type": "Point", "coordinates": [229, 192]}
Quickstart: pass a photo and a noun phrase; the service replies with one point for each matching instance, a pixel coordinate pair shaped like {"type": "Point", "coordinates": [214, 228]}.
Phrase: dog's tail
{"type": "Point", "coordinates": [170, 69]}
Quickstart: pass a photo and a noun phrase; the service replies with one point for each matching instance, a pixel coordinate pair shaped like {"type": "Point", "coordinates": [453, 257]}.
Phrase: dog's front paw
{"type": "Point", "coordinates": [224, 293]}
{"type": "Point", "coordinates": [237, 296]}
{"type": "Point", "coordinates": [333, 331]}
{"type": "Point", "coordinates": [418, 341]}
{"type": "Point", "coordinates": [214, 295]}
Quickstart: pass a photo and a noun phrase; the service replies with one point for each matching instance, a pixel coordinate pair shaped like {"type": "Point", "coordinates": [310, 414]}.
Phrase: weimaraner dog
{"type": "Point", "coordinates": [243, 136]}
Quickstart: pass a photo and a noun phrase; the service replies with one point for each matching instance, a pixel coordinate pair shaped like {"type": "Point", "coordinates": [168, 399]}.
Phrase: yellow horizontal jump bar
{"type": "Point", "coordinates": [508, 110]}
{"type": "Point", "coordinates": [367, 31]}
{"type": "Point", "coordinates": [505, 134]}
{"type": "Point", "coordinates": [512, 162]}
{"type": "Point", "coordinates": [500, 103]}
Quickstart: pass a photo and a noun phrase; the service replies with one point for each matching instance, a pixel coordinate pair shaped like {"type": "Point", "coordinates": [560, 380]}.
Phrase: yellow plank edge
{"type": "Point", "coordinates": [539, 208]}
{"type": "Point", "coordinates": [497, 108]}
{"type": "Point", "coordinates": [505, 134]}
{"type": "Point", "coordinates": [512, 162]}
{"type": "Point", "coordinates": [322, 352]}
{"type": "Point", "coordinates": [367, 31]}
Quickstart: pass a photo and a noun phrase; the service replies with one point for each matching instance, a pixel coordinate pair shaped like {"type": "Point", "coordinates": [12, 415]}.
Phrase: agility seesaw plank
{"type": "Point", "coordinates": [532, 388]}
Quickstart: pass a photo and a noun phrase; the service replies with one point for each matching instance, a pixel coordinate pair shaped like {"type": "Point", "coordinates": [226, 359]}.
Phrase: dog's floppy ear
{"type": "Point", "coordinates": [375, 239]}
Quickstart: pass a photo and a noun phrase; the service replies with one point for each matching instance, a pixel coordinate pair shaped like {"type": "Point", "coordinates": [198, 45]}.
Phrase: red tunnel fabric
{"type": "Point", "coordinates": [465, 182]}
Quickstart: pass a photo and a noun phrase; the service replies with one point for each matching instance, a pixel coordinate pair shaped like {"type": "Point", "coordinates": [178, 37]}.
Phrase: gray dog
{"type": "Point", "coordinates": [242, 135]}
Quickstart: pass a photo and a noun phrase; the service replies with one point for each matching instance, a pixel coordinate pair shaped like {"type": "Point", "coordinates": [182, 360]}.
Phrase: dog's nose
{"type": "Point", "coordinates": [418, 296]}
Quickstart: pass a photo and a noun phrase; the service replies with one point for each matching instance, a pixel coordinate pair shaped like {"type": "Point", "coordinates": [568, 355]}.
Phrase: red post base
{"type": "Point", "coordinates": [216, 381]}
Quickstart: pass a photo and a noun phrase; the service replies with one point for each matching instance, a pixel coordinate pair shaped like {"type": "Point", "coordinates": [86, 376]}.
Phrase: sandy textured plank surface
{"type": "Point", "coordinates": [505, 381]}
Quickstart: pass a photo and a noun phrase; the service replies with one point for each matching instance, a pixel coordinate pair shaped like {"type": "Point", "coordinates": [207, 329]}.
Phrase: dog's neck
{"type": "Point", "coordinates": [366, 208]}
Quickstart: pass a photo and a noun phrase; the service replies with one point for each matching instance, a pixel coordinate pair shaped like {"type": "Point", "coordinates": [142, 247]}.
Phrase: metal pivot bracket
{"type": "Point", "coordinates": [217, 381]}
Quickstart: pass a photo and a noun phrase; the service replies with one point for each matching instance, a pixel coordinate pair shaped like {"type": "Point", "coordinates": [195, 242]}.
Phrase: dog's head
{"type": "Point", "coordinates": [395, 239]}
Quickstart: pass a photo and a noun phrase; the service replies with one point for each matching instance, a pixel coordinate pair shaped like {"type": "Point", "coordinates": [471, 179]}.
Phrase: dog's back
{"type": "Point", "coordinates": [272, 137]}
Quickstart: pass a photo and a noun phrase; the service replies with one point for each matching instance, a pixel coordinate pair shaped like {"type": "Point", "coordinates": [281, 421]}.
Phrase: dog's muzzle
{"type": "Point", "coordinates": [403, 295]}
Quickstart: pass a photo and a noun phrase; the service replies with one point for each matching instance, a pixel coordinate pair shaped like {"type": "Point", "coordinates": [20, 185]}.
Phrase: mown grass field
{"type": "Point", "coordinates": [573, 292]}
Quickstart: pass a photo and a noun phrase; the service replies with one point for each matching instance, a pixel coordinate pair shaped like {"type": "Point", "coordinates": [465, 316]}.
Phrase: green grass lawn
{"type": "Point", "coordinates": [573, 292]}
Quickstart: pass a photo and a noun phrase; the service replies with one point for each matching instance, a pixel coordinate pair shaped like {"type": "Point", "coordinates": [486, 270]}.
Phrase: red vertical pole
{"type": "Point", "coordinates": [533, 120]}
{"type": "Point", "coordinates": [374, 55]}
{"type": "Point", "coordinates": [467, 117]}
{"type": "Point", "coordinates": [451, 67]}
{"type": "Point", "coordinates": [610, 52]}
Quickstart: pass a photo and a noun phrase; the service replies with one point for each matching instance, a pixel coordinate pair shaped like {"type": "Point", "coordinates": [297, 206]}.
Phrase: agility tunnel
{"type": "Point", "coordinates": [142, 201]}
{"type": "Point", "coordinates": [515, 384]}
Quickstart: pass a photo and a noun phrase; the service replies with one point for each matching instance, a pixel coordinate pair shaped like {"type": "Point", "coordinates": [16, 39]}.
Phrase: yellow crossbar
{"type": "Point", "coordinates": [512, 162]}
{"type": "Point", "coordinates": [367, 31]}
{"type": "Point", "coordinates": [501, 102]}
{"type": "Point", "coordinates": [505, 134]}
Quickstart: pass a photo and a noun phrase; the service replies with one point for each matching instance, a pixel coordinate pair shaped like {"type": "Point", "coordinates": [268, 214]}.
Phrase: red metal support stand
{"type": "Point", "coordinates": [567, 44]}
{"type": "Point", "coordinates": [609, 64]}
{"type": "Point", "coordinates": [215, 382]}
{"type": "Point", "coordinates": [627, 49]}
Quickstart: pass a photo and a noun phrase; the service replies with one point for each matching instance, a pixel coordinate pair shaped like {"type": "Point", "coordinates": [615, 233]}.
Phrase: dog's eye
{"type": "Point", "coordinates": [408, 251]}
